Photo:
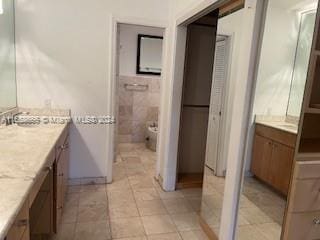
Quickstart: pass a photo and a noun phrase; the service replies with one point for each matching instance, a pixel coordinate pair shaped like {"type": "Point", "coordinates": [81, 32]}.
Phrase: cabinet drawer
{"type": "Point", "coordinates": [305, 195]}
{"type": "Point", "coordinates": [307, 170]}
{"type": "Point", "coordinates": [20, 225]}
{"type": "Point", "coordinates": [37, 185]}
{"type": "Point", "coordinates": [303, 226]}
{"type": "Point", "coordinates": [280, 136]}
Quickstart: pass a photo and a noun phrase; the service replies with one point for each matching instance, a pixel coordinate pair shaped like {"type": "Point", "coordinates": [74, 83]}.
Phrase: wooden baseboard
{"type": "Point", "coordinates": [208, 231]}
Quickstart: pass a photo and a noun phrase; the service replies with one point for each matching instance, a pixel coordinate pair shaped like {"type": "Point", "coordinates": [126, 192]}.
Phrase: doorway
{"type": "Point", "coordinates": [137, 81]}
{"type": "Point", "coordinates": [203, 98]}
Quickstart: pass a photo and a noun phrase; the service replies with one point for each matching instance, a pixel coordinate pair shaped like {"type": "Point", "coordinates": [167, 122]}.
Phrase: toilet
{"type": "Point", "coordinates": [151, 135]}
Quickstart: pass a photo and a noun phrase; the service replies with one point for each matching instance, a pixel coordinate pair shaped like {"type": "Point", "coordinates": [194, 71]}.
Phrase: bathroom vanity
{"type": "Point", "coordinates": [273, 153]}
{"type": "Point", "coordinates": [34, 164]}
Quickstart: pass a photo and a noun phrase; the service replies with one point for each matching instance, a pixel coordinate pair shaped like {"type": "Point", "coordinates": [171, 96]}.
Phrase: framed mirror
{"type": "Point", "coordinates": [301, 63]}
{"type": "Point", "coordinates": [149, 57]}
{"type": "Point", "coordinates": [8, 99]}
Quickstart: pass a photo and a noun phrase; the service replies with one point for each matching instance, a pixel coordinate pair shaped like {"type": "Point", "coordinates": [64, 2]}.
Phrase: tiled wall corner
{"type": "Point", "coordinates": [136, 108]}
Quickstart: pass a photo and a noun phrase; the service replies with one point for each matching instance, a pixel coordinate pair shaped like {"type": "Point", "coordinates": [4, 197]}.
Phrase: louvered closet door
{"type": "Point", "coordinates": [216, 102]}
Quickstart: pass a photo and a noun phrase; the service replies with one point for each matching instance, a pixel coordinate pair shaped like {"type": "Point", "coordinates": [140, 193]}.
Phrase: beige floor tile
{"type": "Point", "coordinates": [186, 221]}
{"type": "Point", "coordinates": [152, 207]}
{"type": "Point", "coordinates": [72, 199]}
{"type": "Point", "coordinates": [211, 218]}
{"type": "Point", "coordinates": [70, 214]}
{"type": "Point", "coordinates": [127, 227]}
{"type": "Point", "coordinates": [92, 213]}
{"type": "Point", "coordinates": [93, 198]}
{"type": "Point", "coordinates": [146, 194]}
{"type": "Point", "coordinates": [194, 235]}
{"type": "Point", "coordinates": [214, 201]}
{"type": "Point", "coordinates": [271, 231]}
{"type": "Point", "coordinates": [74, 189]}
{"type": "Point", "coordinates": [121, 184]}
{"type": "Point", "coordinates": [177, 205]}
{"type": "Point", "coordinates": [129, 154]}
{"type": "Point", "coordinates": [248, 232]}
{"type": "Point", "coordinates": [119, 197]}
{"type": "Point", "coordinates": [195, 203]}
{"type": "Point", "coordinates": [192, 192]}
{"type": "Point", "coordinates": [124, 210]}
{"type": "Point", "coordinates": [254, 215]}
{"type": "Point", "coordinates": [93, 187]}
{"type": "Point", "coordinates": [65, 232]}
{"type": "Point", "coordinates": [165, 236]}
{"type": "Point", "coordinates": [158, 224]}
{"type": "Point", "coordinates": [140, 182]}
{"type": "Point", "coordinates": [126, 147]}
{"type": "Point", "coordinates": [136, 172]}
{"type": "Point", "coordinates": [131, 160]}
{"type": "Point", "coordinates": [275, 213]}
{"type": "Point", "coordinates": [169, 195]}
{"type": "Point", "coordinates": [92, 230]}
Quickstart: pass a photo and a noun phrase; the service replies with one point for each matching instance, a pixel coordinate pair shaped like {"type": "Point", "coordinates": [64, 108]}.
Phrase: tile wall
{"type": "Point", "coordinates": [136, 107]}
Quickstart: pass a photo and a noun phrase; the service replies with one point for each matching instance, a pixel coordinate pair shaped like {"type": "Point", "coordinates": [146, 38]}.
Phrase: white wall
{"type": "Point", "coordinates": [63, 55]}
{"type": "Point", "coordinates": [128, 46]}
{"type": "Point", "coordinates": [277, 60]}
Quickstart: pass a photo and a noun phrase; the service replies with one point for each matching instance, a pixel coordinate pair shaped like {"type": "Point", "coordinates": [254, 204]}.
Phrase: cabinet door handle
{"type": "Point", "coordinates": [61, 175]}
{"type": "Point", "coordinates": [22, 223]}
{"type": "Point", "coordinates": [316, 221]}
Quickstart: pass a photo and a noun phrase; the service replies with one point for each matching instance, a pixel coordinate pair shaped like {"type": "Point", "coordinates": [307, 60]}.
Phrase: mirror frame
{"type": "Point", "coordinates": [138, 71]}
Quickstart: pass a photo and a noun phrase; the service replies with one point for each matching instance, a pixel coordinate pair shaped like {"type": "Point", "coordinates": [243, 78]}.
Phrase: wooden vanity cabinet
{"type": "Point", "coordinates": [61, 169]}
{"type": "Point", "coordinates": [20, 228]}
{"type": "Point", "coordinates": [272, 158]}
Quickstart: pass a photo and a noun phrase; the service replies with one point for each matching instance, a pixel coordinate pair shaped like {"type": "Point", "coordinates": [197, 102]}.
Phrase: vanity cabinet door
{"type": "Point", "coordinates": [262, 152]}
{"type": "Point", "coordinates": [20, 227]}
{"type": "Point", "coordinates": [62, 169]}
{"type": "Point", "coordinates": [281, 167]}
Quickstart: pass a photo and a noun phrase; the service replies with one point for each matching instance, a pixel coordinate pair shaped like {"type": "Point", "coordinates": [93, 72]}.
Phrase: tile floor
{"type": "Point", "coordinates": [261, 209]}
{"type": "Point", "coordinates": [133, 206]}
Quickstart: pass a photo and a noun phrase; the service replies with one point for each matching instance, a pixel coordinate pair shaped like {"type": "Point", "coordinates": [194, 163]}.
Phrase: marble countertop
{"type": "Point", "coordinates": [23, 154]}
{"type": "Point", "coordinates": [281, 125]}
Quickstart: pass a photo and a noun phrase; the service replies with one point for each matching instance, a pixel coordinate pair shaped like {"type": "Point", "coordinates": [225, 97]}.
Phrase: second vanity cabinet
{"type": "Point", "coordinates": [272, 158]}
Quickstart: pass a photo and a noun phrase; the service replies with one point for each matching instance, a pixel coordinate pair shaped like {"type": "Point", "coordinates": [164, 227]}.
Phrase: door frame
{"type": "Point", "coordinates": [111, 85]}
{"type": "Point", "coordinates": [240, 111]}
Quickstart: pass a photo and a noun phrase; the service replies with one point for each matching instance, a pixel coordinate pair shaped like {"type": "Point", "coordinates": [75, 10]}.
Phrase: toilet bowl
{"type": "Point", "coordinates": [151, 135]}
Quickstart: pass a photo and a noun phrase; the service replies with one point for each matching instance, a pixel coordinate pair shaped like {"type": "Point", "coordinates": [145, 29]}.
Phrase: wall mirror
{"type": "Point", "coordinates": [149, 57]}
{"type": "Point", "coordinates": [300, 70]}
{"type": "Point", "coordinates": [8, 99]}
{"type": "Point", "coordinates": [287, 35]}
